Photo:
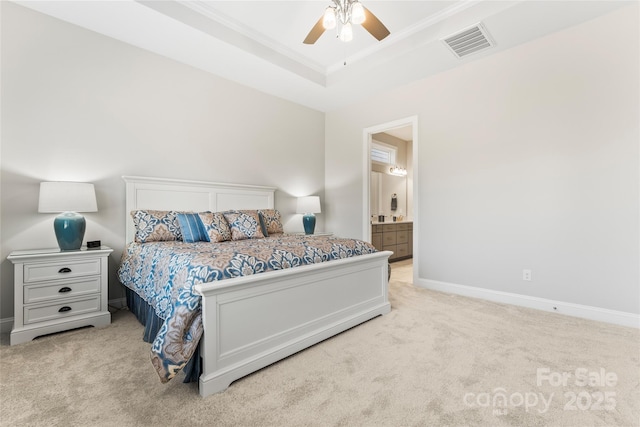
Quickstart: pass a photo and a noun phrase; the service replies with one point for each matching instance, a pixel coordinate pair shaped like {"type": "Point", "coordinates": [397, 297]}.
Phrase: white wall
{"type": "Point", "coordinates": [80, 106]}
{"type": "Point", "coordinates": [526, 159]}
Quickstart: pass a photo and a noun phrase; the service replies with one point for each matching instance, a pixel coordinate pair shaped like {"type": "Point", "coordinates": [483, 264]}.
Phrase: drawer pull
{"type": "Point", "coordinates": [65, 289]}
{"type": "Point", "coordinates": [63, 309]}
{"type": "Point", "coordinates": [64, 270]}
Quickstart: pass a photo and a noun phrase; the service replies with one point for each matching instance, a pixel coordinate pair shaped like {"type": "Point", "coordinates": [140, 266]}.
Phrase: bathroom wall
{"type": "Point", "coordinates": [391, 184]}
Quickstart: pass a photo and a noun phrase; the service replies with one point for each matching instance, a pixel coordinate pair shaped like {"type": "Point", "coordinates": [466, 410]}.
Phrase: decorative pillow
{"type": "Point", "coordinates": [156, 226]}
{"type": "Point", "coordinates": [192, 228]}
{"type": "Point", "coordinates": [216, 227]}
{"type": "Point", "coordinates": [270, 222]}
{"type": "Point", "coordinates": [244, 224]}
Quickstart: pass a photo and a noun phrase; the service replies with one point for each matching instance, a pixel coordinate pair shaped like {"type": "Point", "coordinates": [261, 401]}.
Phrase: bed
{"type": "Point", "coordinates": [252, 321]}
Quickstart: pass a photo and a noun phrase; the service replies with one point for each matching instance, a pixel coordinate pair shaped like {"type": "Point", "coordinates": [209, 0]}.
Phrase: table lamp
{"type": "Point", "coordinates": [308, 206]}
{"type": "Point", "coordinates": [68, 198]}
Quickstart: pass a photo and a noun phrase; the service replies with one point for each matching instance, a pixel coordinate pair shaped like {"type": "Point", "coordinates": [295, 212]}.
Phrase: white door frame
{"type": "Point", "coordinates": [366, 177]}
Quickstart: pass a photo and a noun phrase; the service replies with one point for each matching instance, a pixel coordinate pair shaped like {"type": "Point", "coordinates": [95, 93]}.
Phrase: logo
{"type": "Point", "coordinates": [581, 390]}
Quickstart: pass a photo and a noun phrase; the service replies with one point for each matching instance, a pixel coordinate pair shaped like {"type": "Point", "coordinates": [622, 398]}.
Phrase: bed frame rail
{"type": "Point", "coordinates": [250, 324]}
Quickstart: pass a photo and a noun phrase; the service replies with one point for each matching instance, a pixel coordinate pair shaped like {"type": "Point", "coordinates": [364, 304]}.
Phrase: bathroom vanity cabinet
{"type": "Point", "coordinates": [394, 236]}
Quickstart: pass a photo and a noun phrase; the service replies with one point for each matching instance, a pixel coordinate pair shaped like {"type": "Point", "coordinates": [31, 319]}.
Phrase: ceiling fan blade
{"type": "Point", "coordinates": [315, 32]}
{"type": "Point", "coordinates": [375, 27]}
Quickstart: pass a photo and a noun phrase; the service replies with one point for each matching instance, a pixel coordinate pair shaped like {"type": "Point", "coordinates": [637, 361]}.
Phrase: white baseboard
{"type": "Point", "coordinates": [7, 324]}
{"type": "Point", "coordinates": [584, 311]}
{"type": "Point", "coordinates": [576, 310]}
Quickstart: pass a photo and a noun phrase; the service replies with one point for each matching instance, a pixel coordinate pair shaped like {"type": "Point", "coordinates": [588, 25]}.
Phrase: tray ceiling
{"type": "Point", "coordinates": [259, 43]}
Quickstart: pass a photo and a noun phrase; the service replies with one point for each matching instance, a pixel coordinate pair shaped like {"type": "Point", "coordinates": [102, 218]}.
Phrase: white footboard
{"type": "Point", "coordinates": [253, 321]}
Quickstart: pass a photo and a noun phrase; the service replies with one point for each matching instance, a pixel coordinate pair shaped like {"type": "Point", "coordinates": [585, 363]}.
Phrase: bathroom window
{"type": "Point", "coordinates": [383, 153]}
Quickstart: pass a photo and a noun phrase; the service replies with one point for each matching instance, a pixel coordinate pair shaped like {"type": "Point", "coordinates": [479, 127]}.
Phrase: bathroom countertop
{"type": "Point", "coordinates": [404, 221]}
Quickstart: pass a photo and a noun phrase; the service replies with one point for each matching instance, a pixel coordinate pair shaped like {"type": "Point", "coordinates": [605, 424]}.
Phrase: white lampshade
{"type": "Point", "coordinates": [67, 197]}
{"type": "Point", "coordinates": [309, 204]}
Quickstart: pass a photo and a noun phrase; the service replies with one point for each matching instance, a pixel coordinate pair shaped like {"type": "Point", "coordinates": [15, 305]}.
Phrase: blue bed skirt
{"type": "Point", "coordinates": [152, 324]}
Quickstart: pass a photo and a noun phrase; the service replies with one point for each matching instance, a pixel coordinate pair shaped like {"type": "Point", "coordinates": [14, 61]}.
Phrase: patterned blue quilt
{"type": "Point", "coordinates": [164, 273]}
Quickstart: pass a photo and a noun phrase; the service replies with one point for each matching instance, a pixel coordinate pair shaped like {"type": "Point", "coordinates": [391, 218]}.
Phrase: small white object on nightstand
{"type": "Point", "coordinates": [58, 290]}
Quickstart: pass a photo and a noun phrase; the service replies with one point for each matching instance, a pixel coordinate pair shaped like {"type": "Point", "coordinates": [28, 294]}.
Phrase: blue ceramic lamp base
{"type": "Point", "coordinates": [69, 228]}
{"type": "Point", "coordinates": [309, 222]}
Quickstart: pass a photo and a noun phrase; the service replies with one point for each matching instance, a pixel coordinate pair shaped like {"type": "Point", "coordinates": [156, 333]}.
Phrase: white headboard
{"type": "Point", "coordinates": [175, 194]}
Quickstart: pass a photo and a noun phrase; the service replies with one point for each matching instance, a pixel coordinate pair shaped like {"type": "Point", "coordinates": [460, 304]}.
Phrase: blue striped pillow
{"type": "Point", "coordinates": [192, 228]}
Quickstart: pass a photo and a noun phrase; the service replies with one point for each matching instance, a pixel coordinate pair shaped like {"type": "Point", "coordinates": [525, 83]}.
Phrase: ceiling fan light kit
{"type": "Point", "coordinates": [348, 12]}
{"type": "Point", "coordinates": [357, 13]}
{"type": "Point", "coordinates": [346, 33]}
{"type": "Point", "coordinates": [329, 18]}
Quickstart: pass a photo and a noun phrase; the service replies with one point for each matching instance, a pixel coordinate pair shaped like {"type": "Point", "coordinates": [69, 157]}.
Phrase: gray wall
{"type": "Point", "coordinates": [526, 159]}
{"type": "Point", "coordinates": [80, 106]}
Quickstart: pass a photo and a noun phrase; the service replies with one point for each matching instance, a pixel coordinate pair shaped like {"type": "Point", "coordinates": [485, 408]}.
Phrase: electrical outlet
{"type": "Point", "coordinates": [526, 275]}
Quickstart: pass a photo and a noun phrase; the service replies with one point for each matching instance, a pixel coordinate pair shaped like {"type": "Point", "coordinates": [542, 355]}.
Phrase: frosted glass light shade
{"type": "Point", "coordinates": [357, 13]}
{"type": "Point", "coordinates": [308, 204]}
{"type": "Point", "coordinates": [67, 197]}
{"type": "Point", "coordinates": [329, 19]}
{"type": "Point", "coordinates": [346, 33]}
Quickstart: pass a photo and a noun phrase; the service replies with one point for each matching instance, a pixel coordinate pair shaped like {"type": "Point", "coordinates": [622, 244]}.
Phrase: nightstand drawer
{"type": "Point", "coordinates": [61, 310]}
{"type": "Point", "coordinates": [68, 288]}
{"type": "Point", "coordinates": [60, 270]}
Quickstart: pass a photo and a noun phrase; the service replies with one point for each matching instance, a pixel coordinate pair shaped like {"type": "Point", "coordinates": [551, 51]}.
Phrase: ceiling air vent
{"type": "Point", "coordinates": [469, 41]}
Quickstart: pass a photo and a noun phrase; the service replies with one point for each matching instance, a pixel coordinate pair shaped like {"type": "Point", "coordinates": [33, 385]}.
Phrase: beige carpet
{"type": "Point", "coordinates": [436, 360]}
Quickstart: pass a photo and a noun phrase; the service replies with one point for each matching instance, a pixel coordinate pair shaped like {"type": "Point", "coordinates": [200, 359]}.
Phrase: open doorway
{"type": "Point", "coordinates": [389, 190]}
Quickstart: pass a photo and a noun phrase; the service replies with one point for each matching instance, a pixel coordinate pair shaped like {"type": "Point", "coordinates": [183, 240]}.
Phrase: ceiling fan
{"type": "Point", "coordinates": [347, 13]}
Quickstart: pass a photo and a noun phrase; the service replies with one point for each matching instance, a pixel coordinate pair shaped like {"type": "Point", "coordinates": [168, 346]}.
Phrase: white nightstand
{"type": "Point", "coordinates": [58, 290]}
